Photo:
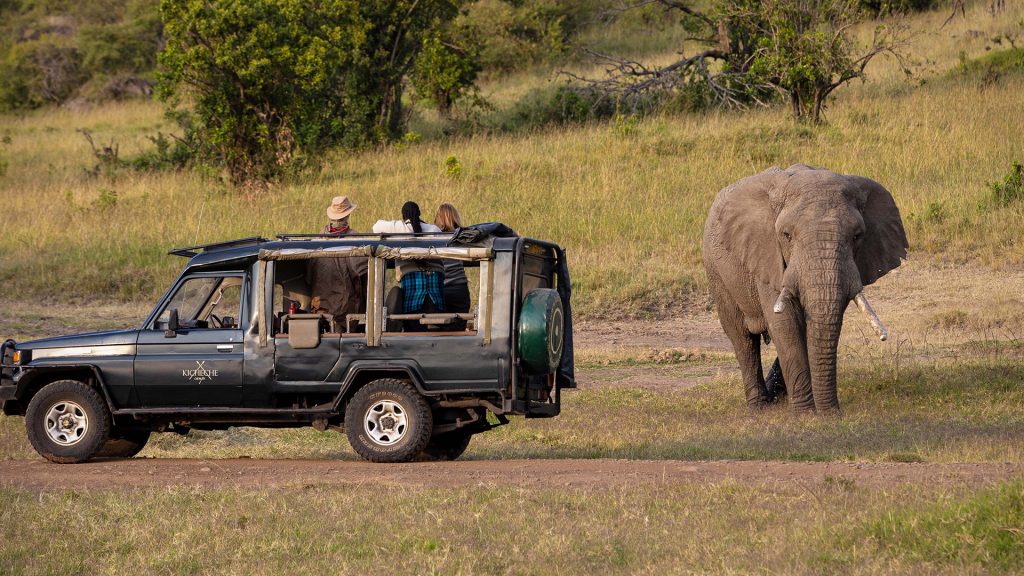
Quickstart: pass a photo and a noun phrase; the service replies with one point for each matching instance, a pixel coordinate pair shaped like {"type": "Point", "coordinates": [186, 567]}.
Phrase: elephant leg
{"type": "Point", "coordinates": [796, 372]}
{"type": "Point", "coordinates": [790, 338]}
{"type": "Point", "coordinates": [747, 347]}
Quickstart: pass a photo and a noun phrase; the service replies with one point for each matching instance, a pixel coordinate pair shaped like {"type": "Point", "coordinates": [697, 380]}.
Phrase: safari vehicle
{"type": "Point", "coordinates": [233, 343]}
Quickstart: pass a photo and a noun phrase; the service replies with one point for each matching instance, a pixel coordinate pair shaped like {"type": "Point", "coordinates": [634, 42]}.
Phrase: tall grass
{"type": "Point", "coordinates": [628, 201]}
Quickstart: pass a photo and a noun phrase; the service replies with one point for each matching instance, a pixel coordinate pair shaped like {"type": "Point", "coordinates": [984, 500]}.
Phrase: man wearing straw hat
{"type": "Point", "coordinates": [338, 284]}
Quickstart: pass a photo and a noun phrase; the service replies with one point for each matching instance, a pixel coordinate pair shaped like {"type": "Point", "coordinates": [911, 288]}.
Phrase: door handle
{"type": "Point", "coordinates": [225, 347]}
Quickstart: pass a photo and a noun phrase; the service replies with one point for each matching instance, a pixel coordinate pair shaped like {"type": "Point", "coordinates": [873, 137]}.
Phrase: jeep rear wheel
{"type": "Point", "coordinates": [124, 444]}
{"type": "Point", "coordinates": [67, 422]}
{"type": "Point", "coordinates": [388, 421]}
{"type": "Point", "coordinates": [447, 446]}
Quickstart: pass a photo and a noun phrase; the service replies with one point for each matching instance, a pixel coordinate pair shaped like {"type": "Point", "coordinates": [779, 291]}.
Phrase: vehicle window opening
{"type": "Point", "coordinates": [460, 315]}
{"type": "Point", "coordinates": [538, 269]}
{"type": "Point", "coordinates": [297, 302]}
{"type": "Point", "coordinates": [206, 302]}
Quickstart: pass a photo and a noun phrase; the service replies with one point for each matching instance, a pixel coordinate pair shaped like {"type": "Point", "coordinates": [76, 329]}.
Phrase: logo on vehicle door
{"type": "Point", "coordinates": [200, 373]}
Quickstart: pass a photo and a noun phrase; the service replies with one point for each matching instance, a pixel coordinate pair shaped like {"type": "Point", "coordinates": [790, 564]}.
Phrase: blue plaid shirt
{"type": "Point", "coordinates": [417, 286]}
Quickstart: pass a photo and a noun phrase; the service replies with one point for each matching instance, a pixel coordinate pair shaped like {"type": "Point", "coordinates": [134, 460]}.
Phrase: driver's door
{"type": "Point", "coordinates": [200, 365]}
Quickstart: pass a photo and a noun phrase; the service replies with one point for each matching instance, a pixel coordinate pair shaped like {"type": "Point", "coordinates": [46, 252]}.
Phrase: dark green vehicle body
{"type": "Point", "coordinates": [247, 371]}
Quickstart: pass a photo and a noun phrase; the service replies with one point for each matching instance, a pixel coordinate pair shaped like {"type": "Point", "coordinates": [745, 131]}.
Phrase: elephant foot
{"type": "Point", "coordinates": [802, 410]}
{"type": "Point", "coordinates": [758, 404]}
{"type": "Point", "coordinates": [831, 412]}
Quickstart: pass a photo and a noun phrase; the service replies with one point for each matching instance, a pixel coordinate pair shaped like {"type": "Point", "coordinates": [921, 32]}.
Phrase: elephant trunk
{"type": "Point", "coordinates": [825, 299]}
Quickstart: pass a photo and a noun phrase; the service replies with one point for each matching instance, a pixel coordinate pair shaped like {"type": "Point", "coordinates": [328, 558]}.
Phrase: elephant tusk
{"type": "Point", "coordinates": [865, 307]}
{"type": "Point", "coordinates": [780, 304]}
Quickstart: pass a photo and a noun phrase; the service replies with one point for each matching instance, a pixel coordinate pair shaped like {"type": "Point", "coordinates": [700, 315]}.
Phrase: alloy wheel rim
{"type": "Point", "coordinates": [386, 422]}
{"type": "Point", "coordinates": [66, 423]}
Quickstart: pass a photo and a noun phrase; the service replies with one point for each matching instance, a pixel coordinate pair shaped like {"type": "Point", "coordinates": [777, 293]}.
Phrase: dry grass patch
{"type": "Point", "coordinates": [674, 528]}
{"type": "Point", "coordinates": [628, 204]}
{"type": "Point", "coordinates": [943, 410]}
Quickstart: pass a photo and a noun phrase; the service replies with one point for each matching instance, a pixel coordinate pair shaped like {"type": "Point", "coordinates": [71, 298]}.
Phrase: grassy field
{"type": "Point", "coordinates": [964, 411]}
{"type": "Point", "coordinates": [627, 199]}
{"type": "Point", "coordinates": [952, 400]}
{"type": "Point", "coordinates": [86, 250]}
{"type": "Point", "coordinates": [679, 528]}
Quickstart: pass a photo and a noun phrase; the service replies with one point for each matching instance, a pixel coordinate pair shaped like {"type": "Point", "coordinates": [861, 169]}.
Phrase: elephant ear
{"type": "Point", "coordinates": [746, 226]}
{"type": "Point", "coordinates": [884, 245]}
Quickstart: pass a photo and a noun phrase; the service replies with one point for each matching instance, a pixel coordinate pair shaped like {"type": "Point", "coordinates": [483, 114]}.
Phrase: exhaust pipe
{"type": "Point", "coordinates": [865, 307]}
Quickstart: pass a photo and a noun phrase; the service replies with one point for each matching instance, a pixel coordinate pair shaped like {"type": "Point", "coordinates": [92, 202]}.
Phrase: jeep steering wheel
{"type": "Point", "coordinates": [216, 321]}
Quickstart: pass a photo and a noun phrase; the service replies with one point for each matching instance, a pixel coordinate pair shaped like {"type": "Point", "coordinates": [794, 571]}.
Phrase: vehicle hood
{"type": "Point", "coordinates": [104, 338]}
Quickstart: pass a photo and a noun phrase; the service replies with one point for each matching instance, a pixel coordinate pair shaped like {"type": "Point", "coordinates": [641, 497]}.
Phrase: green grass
{"type": "Point", "coordinates": [675, 528]}
{"type": "Point", "coordinates": [986, 529]}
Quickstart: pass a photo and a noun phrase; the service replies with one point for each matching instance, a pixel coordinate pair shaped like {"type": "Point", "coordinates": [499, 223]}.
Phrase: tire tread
{"type": "Point", "coordinates": [99, 426]}
{"type": "Point", "coordinates": [412, 401]}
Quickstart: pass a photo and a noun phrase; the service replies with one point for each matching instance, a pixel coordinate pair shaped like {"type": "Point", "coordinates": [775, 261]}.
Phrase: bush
{"type": "Point", "coordinates": [991, 67]}
{"type": "Point", "coordinates": [887, 7]}
{"type": "Point", "coordinates": [551, 106]}
{"type": "Point", "coordinates": [1011, 189]}
{"type": "Point", "coordinates": [53, 51]}
{"type": "Point", "coordinates": [516, 34]}
{"type": "Point", "coordinates": [39, 72]}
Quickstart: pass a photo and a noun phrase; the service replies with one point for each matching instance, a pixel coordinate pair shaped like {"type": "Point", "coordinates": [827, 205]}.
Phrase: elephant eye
{"type": "Point", "coordinates": [787, 236]}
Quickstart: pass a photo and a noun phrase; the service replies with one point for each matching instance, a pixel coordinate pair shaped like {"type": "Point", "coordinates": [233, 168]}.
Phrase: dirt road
{"type": "Point", "coordinates": [149, 472]}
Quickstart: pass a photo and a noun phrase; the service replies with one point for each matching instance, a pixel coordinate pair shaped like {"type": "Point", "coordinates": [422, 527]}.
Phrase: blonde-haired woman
{"type": "Point", "coordinates": [447, 218]}
{"type": "Point", "coordinates": [456, 287]}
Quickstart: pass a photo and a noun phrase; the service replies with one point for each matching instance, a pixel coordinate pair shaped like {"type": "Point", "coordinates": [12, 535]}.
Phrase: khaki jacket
{"type": "Point", "coordinates": [339, 283]}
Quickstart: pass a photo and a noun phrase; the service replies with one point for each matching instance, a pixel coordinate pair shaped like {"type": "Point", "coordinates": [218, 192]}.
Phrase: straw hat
{"type": "Point", "coordinates": [340, 207]}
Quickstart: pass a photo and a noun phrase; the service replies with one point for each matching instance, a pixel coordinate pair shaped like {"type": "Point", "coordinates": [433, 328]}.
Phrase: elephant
{"type": "Point", "coordinates": [785, 252]}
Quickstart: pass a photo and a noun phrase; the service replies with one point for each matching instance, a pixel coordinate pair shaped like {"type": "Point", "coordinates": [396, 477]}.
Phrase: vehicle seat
{"type": "Point", "coordinates": [393, 302]}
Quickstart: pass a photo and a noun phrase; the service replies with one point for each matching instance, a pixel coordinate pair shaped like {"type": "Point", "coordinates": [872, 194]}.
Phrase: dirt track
{"type": "Point", "coordinates": [147, 472]}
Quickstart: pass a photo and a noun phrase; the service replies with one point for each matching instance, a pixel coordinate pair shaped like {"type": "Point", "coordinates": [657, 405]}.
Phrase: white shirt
{"type": "Point", "coordinates": [400, 227]}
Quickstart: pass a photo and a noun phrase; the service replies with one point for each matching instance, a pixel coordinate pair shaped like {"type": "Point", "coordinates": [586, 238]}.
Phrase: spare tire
{"type": "Point", "coordinates": [541, 331]}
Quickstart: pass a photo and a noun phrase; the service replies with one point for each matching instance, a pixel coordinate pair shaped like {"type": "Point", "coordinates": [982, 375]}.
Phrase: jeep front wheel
{"type": "Point", "coordinates": [388, 421]}
{"type": "Point", "coordinates": [67, 422]}
{"type": "Point", "coordinates": [124, 443]}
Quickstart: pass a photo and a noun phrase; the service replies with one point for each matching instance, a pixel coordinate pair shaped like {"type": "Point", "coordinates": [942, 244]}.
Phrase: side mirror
{"type": "Point", "coordinates": [228, 322]}
{"type": "Point", "coordinates": [172, 324]}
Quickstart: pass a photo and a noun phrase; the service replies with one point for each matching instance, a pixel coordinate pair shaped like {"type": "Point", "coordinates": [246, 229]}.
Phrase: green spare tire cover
{"type": "Point", "coordinates": [541, 331]}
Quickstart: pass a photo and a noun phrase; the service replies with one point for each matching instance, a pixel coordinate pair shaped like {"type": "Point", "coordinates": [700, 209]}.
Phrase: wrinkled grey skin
{"type": "Point", "coordinates": [822, 235]}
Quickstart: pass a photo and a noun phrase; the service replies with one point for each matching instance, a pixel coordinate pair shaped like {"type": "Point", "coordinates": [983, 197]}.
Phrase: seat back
{"type": "Point", "coordinates": [393, 303]}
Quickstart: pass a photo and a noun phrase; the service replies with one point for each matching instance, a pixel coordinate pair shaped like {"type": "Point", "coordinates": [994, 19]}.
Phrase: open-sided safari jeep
{"type": "Point", "coordinates": [233, 343]}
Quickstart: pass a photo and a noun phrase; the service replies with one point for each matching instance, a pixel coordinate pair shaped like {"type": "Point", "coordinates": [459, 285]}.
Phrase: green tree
{"type": "Point", "coordinates": [271, 80]}
{"type": "Point", "coordinates": [445, 73]}
{"type": "Point", "coordinates": [803, 49]}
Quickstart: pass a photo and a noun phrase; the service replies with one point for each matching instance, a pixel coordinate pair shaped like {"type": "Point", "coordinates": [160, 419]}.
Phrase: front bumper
{"type": "Point", "coordinates": [8, 387]}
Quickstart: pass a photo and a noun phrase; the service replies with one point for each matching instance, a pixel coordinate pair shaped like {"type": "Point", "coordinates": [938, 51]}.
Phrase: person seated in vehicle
{"type": "Point", "coordinates": [456, 286]}
{"type": "Point", "coordinates": [338, 285]}
{"type": "Point", "coordinates": [422, 281]}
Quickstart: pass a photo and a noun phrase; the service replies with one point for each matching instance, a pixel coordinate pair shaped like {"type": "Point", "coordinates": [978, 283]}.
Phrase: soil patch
{"type": "Point", "coordinates": [39, 475]}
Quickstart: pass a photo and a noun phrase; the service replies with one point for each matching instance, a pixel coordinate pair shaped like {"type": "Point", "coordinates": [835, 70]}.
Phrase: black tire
{"type": "Point", "coordinates": [541, 331]}
{"type": "Point", "coordinates": [447, 446]}
{"type": "Point", "coordinates": [124, 444]}
{"type": "Point", "coordinates": [67, 422]}
{"type": "Point", "coordinates": [388, 421]}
